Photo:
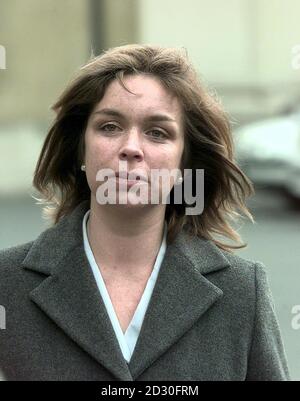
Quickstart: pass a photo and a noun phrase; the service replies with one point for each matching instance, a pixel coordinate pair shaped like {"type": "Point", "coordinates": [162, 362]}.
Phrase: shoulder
{"type": "Point", "coordinates": [242, 264]}
{"type": "Point", "coordinates": [211, 260]}
{"type": "Point", "coordinates": [11, 271]}
{"type": "Point", "coordinates": [11, 259]}
{"type": "Point", "coordinates": [244, 267]}
{"type": "Point", "coordinates": [243, 278]}
{"type": "Point", "coordinates": [14, 254]}
{"type": "Point", "coordinates": [235, 275]}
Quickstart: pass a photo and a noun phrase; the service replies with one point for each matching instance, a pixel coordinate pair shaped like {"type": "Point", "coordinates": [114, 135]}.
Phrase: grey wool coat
{"type": "Point", "coordinates": [211, 315]}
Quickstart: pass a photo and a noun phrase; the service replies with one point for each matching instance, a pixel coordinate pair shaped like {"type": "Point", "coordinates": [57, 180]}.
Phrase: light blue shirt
{"type": "Point", "coordinates": [128, 340]}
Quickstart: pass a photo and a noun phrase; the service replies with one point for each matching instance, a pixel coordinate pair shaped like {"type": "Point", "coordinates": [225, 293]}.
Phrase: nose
{"type": "Point", "coordinates": [131, 148]}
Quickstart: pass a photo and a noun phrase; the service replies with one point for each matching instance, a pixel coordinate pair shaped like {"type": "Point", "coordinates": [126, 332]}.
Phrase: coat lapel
{"type": "Point", "coordinates": [181, 296]}
{"type": "Point", "coordinates": [70, 297]}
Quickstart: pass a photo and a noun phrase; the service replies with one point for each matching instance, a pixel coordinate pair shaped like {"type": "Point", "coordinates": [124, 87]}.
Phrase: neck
{"type": "Point", "coordinates": [125, 241]}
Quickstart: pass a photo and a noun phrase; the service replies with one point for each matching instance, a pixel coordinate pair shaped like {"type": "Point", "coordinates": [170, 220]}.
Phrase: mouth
{"type": "Point", "coordinates": [131, 176]}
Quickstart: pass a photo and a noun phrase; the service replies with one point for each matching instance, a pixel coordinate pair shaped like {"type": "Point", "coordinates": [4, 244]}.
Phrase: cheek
{"type": "Point", "coordinates": [170, 158]}
{"type": "Point", "coordinates": [98, 154]}
{"type": "Point", "coordinates": [98, 151]}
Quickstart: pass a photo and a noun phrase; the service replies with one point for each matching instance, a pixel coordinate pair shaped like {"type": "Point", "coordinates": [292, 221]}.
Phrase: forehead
{"type": "Point", "coordinates": [149, 94]}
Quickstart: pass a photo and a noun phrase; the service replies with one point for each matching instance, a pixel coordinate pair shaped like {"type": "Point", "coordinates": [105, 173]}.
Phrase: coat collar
{"type": "Point", "coordinates": [70, 296]}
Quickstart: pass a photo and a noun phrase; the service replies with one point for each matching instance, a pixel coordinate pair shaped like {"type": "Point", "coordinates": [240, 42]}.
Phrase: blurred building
{"type": "Point", "coordinates": [242, 48]}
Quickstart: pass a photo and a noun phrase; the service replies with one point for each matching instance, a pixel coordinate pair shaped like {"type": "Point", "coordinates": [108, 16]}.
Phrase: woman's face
{"type": "Point", "coordinates": [144, 130]}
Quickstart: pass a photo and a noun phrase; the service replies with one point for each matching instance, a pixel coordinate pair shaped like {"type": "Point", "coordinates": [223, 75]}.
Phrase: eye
{"type": "Point", "coordinates": [158, 134]}
{"type": "Point", "coordinates": [108, 127]}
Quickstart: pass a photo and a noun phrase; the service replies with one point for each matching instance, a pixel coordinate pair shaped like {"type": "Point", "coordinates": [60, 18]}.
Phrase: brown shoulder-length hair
{"type": "Point", "coordinates": [208, 142]}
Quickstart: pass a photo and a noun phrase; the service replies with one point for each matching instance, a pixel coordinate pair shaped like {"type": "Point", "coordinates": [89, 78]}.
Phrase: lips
{"type": "Point", "coordinates": [134, 175]}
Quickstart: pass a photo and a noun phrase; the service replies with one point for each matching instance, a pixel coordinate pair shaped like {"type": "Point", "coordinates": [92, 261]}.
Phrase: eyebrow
{"type": "Point", "coordinates": [153, 117]}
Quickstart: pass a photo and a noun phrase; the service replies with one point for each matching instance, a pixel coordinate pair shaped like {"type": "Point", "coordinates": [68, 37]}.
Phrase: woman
{"type": "Point", "coordinates": [138, 290]}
